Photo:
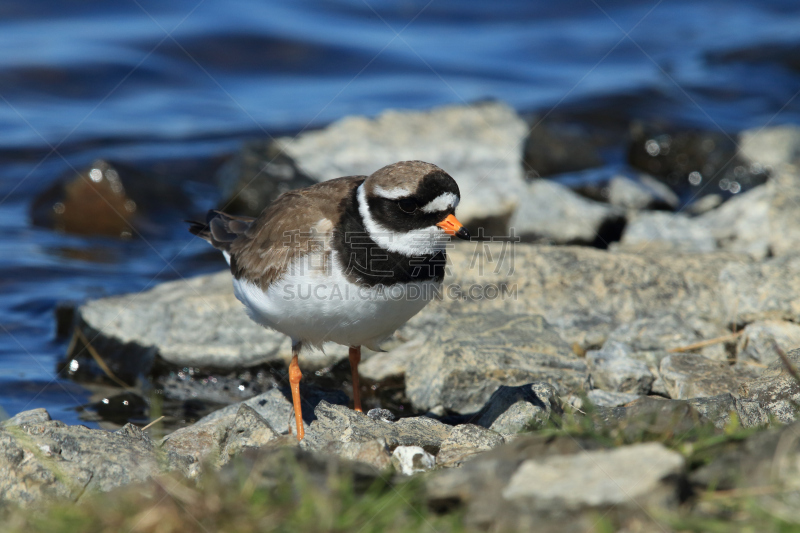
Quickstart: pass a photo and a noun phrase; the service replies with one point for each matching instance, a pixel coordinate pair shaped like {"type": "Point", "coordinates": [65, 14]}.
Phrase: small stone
{"type": "Point", "coordinates": [644, 193]}
{"type": "Point", "coordinates": [374, 453]}
{"type": "Point", "coordinates": [381, 414]}
{"type": "Point", "coordinates": [693, 376]}
{"type": "Point", "coordinates": [248, 431]}
{"type": "Point", "coordinates": [602, 398]}
{"type": "Point", "coordinates": [409, 460]}
{"type": "Point", "coordinates": [465, 441]}
{"type": "Point", "coordinates": [514, 409]}
{"type": "Point", "coordinates": [612, 368]}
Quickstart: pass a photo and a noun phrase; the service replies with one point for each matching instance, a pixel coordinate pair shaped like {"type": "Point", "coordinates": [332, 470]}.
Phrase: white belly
{"type": "Point", "coordinates": [316, 307]}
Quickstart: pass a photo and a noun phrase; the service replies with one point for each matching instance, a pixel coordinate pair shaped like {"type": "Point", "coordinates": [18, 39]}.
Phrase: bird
{"type": "Point", "coordinates": [348, 260]}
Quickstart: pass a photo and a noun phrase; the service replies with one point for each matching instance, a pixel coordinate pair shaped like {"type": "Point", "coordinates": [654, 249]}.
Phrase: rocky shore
{"type": "Point", "coordinates": [616, 352]}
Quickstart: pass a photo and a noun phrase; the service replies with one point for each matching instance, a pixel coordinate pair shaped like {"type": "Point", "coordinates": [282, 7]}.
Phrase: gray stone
{"type": "Point", "coordinates": [42, 459]}
{"type": "Point", "coordinates": [248, 431]}
{"type": "Point", "coordinates": [336, 423]}
{"type": "Point", "coordinates": [513, 409]}
{"type": "Point", "coordinates": [692, 376]}
{"type": "Point", "coordinates": [784, 210]}
{"type": "Point", "coordinates": [471, 355]}
{"type": "Point", "coordinates": [669, 331]}
{"type": "Point", "coordinates": [742, 223]}
{"type": "Point", "coordinates": [704, 204]}
{"type": "Point", "coordinates": [373, 453]}
{"type": "Point", "coordinates": [467, 440]}
{"type": "Point", "coordinates": [613, 369]}
{"type": "Point", "coordinates": [650, 230]}
{"type": "Point", "coordinates": [776, 390]}
{"type": "Point", "coordinates": [644, 193]}
{"type": "Point", "coordinates": [382, 366]}
{"type": "Point", "coordinates": [552, 212]}
{"type": "Point", "coordinates": [475, 144]}
{"type": "Point", "coordinates": [761, 291]}
{"type": "Point", "coordinates": [602, 398]}
{"type": "Point", "coordinates": [627, 475]}
{"type": "Point", "coordinates": [381, 414]}
{"type": "Point", "coordinates": [771, 146]}
{"type": "Point", "coordinates": [756, 347]}
{"type": "Point", "coordinates": [410, 460]}
{"type": "Point", "coordinates": [27, 418]}
{"type": "Point", "coordinates": [191, 446]}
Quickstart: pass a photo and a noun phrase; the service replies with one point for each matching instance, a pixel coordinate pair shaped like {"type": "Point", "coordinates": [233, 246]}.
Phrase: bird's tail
{"type": "Point", "coordinates": [220, 229]}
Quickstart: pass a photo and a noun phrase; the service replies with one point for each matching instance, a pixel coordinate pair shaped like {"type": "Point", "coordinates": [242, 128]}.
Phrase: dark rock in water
{"type": "Point", "coordinates": [43, 459]}
{"type": "Point", "coordinates": [121, 408]}
{"type": "Point", "coordinates": [256, 176]}
{"type": "Point", "coordinates": [779, 53]}
{"type": "Point", "coordinates": [107, 198]}
{"type": "Point", "coordinates": [556, 148]}
{"type": "Point", "coordinates": [688, 160]}
{"type": "Point", "coordinates": [471, 355]}
{"type": "Point", "coordinates": [559, 484]}
{"type": "Point", "coordinates": [511, 410]}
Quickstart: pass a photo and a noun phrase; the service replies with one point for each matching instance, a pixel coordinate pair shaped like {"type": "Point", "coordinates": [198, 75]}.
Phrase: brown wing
{"type": "Point", "coordinates": [296, 223]}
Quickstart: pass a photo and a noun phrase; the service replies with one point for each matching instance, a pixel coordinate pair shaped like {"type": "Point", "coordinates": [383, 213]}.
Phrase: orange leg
{"type": "Point", "coordinates": [355, 358]}
{"type": "Point", "coordinates": [294, 379]}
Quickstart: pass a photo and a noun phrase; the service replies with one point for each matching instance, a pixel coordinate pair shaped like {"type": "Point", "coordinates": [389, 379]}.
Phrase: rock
{"type": "Point", "coordinates": [613, 369]}
{"type": "Point", "coordinates": [776, 390]}
{"type": "Point", "coordinates": [373, 453]}
{"type": "Point", "coordinates": [552, 212]}
{"type": "Point", "coordinates": [658, 230]}
{"type": "Point", "coordinates": [627, 475]}
{"type": "Point", "coordinates": [409, 460]}
{"type": "Point", "coordinates": [248, 431]}
{"type": "Point", "coordinates": [256, 176]}
{"type": "Point", "coordinates": [43, 459]}
{"type": "Point", "coordinates": [467, 440]}
{"type": "Point", "coordinates": [471, 355]}
{"type": "Point", "coordinates": [669, 331]}
{"type": "Point", "coordinates": [388, 365]}
{"type": "Point", "coordinates": [511, 410]}
{"type": "Point", "coordinates": [474, 144]}
{"type": "Point", "coordinates": [718, 410]}
{"type": "Point", "coordinates": [687, 160]}
{"type": "Point", "coordinates": [771, 146]}
{"type": "Point", "coordinates": [704, 204]}
{"type": "Point", "coordinates": [692, 376]}
{"type": "Point", "coordinates": [381, 414]}
{"type": "Point", "coordinates": [602, 398]}
{"type": "Point", "coordinates": [189, 447]}
{"type": "Point", "coordinates": [557, 148]}
{"type": "Point", "coordinates": [756, 347]}
{"type": "Point", "coordinates": [784, 210]}
{"type": "Point", "coordinates": [196, 322]}
{"type": "Point", "coordinates": [644, 193]}
{"type": "Point", "coordinates": [337, 423]}
{"type": "Point", "coordinates": [742, 223]}
{"type": "Point", "coordinates": [557, 484]}
{"type": "Point", "coordinates": [761, 291]}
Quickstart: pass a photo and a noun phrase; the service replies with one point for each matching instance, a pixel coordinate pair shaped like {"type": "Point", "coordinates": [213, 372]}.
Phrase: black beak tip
{"type": "Point", "coordinates": [463, 233]}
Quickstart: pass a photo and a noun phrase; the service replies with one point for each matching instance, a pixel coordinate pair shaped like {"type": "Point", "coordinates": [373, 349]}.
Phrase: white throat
{"type": "Point", "coordinates": [424, 241]}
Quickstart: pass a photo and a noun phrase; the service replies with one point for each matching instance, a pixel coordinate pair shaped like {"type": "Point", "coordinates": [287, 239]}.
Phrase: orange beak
{"type": "Point", "coordinates": [452, 226]}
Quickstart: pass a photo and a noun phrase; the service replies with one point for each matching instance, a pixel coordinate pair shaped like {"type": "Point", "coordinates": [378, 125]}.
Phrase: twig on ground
{"type": "Point", "coordinates": [707, 342]}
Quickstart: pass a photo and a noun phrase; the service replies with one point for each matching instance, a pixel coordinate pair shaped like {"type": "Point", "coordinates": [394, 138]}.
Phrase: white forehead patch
{"type": "Point", "coordinates": [393, 193]}
{"type": "Point", "coordinates": [443, 202]}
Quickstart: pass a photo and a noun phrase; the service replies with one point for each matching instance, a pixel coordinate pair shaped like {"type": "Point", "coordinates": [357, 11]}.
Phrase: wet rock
{"type": "Point", "coordinates": [467, 440]}
{"type": "Point", "coordinates": [248, 431]}
{"type": "Point", "coordinates": [511, 410]}
{"type": "Point", "coordinates": [337, 423]}
{"type": "Point", "coordinates": [761, 291]}
{"type": "Point", "coordinates": [659, 230]}
{"type": "Point", "coordinates": [669, 331]}
{"type": "Point", "coordinates": [742, 223]}
{"type": "Point", "coordinates": [381, 414]}
{"type": "Point", "coordinates": [772, 146]}
{"type": "Point", "coordinates": [613, 369]}
{"type": "Point", "coordinates": [557, 484]}
{"type": "Point", "coordinates": [256, 176]}
{"type": "Point", "coordinates": [692, 376]}
{"type": "Point", "coordinates": [645, 192]}
{"type": "Point", "coordinates": [777, 391]}
{"type": "Point", "coordinates": [687, 160]}
{"type": "Point", "coordinates": [784, 210]}
{"type": "Point", "coordinates": [602, 398]}
{"type": "Point", "coordinates": [42, 459]}
{"type": "Point", "coordinates": [186, 323]}
{"type": "Point", "coordinates": [472, 355]}
{"type": "Point", "coordinates": [409, 460]}
{"type": "Point", "coordinates": [474, 144]}
{"type": "Point", "coordinates": [756, 347]}
{"type": "Point", "coordinates": [556, 148]}
{"type": "Point", "coordinates": [120, 408]}
{"type": "Point", "coordinates": [552, 212]}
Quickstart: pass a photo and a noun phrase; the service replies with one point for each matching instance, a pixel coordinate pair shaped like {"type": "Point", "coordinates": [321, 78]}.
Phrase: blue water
{"type": "Point", "coordinates": [178, 85]}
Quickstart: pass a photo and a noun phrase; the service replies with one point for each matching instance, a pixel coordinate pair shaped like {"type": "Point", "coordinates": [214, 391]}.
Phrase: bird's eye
{"type": "Point", "coordinates": [407, 205]}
